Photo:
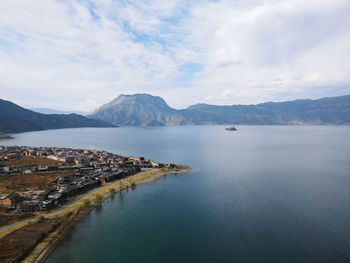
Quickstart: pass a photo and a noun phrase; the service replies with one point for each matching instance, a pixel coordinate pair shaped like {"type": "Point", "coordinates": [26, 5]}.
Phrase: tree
{"type": "Point", "coordinates": [98, 198]}
{"type": "Point", "coordinates": [86, 203]}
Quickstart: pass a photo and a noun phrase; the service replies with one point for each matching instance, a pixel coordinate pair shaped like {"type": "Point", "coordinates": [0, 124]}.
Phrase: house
{"type": "Point", "coordinates": [29, 206]}
{"type": "Point", "coordinates": [10, 200]}
{"type": "Point", "coordinates": [82, 161]}
{"type": "Point", "coordinates": [44, 195]}
{"type": "Point", "coordinates": [42, 168]}
{"type": "Point", "coordinates": [58, 198]}
{"type": "Point", "coordinates": [139, 159]}
{"type": "Point", "coordinates": [52, 168]}
{"type": "Point", "coordinates": [27, 171]}
{"type": "Point", "coordinates": [69, 159]}
{"type": "Point", "coordinates": [29, 153]}
{"type": "Point", "coordinates": [46, 205]}
{"type": "Point", "coordinates": [6, 169]}
{"type": "Point", "coordinates": [146, 164]}
{"type": "Point", "coordinates": [154, 164]}
{"type": "Point", "coordinates": [113, 176]}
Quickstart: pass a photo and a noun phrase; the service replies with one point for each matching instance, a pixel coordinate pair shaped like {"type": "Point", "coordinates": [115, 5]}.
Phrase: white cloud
{"type": "Point", "coordinates": [79, 54]}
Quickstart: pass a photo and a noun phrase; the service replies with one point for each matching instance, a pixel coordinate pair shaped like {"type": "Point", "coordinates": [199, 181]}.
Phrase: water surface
{"type": "Point", "coordinates": [261, 194]}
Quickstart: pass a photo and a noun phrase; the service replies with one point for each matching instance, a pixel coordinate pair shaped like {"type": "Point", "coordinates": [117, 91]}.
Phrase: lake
{"type": "Point", "coordinates": [260, 194]}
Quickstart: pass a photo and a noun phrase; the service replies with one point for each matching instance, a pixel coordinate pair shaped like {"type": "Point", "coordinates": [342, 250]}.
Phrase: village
{"type": "Point", "coordinates": [73, 172]}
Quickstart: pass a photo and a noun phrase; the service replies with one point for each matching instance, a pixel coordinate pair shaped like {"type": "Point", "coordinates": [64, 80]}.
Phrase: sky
{"type": "Point", "coordinates": [80, 54]}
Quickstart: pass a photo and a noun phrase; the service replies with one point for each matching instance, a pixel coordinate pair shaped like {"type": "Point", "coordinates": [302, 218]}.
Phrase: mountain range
{"type": "Point", "coordinates": [148, 110]}
{"type": "Point", "coordinates": [14, 118]}
{"type": "Point", "coordinates": [145, 109]}
{"type": "Point", "coordinates": [54, 111]}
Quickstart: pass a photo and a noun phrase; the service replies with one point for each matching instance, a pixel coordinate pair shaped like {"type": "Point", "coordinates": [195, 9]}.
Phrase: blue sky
{"type": "Point", "coordinates": [79, 54]}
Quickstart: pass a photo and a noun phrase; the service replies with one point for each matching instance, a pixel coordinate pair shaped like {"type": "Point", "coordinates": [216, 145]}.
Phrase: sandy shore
{"type": "Point", "coordinates": [77, 208]}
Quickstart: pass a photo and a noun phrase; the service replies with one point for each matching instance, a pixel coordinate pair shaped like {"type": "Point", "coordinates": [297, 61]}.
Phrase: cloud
{"type": "Point", "coordinates": [75, 55]}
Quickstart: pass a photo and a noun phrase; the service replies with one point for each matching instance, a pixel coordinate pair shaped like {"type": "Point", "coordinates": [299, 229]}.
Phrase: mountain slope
{"type": "Point", "coordinates": [335, 110]}
{"type": "Point", "coordinates": [144, 109]}
{"type": "Point", "coordinates": [138, 109]}
{"type": "Point", "coordinates": [14, 118]}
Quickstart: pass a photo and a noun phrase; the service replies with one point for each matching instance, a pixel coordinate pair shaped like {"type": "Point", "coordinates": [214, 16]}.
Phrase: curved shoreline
{"type": "Point", "coordinates": [74, 210]}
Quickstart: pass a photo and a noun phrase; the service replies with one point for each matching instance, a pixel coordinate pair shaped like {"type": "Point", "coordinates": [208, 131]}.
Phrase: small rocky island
{"type": "Point", "coordinates": [233, 128]}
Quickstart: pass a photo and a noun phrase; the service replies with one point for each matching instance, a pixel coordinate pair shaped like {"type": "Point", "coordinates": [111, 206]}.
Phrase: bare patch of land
{"type": "Point", "coordinates": [16, 245]}
{"type": "Point", "coordinates": [30, 161]}
{"type": "Point", "coordinates": [28, 182]}
{"type": "Point", "coordinates": [10, 218]}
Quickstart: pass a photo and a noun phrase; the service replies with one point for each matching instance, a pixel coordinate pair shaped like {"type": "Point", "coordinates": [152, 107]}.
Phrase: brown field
{"type": "Point", "coordinates": [28, 182]}
{"type": "Point", "coordinates": [18, 244]}
{"type": "Point", "coordinates": [29, 160]}
{"type": "Point", "coordinates": [10, 218]}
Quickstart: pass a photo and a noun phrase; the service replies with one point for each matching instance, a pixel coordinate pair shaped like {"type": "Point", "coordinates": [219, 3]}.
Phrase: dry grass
{"type": "Point", "coordinates": [28, 182]}
{"type": "Point", "coordinates": [65, 223]}
{"type": "Point", "coordinates": [30, 160]}
{"type": "Point", "coordinates": [19, 243]}
{"type": "Point", "coordinates": [10, 218]}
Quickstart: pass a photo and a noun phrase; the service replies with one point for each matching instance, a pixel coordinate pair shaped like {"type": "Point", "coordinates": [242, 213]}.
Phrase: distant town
{"type": "Point", "coordinates": [73, 172]}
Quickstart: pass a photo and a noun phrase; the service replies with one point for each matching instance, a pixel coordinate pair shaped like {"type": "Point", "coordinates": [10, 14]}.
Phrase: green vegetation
{"type": "Point", "coordinates": [98, 198]}
{"type": "Point", "coordinates": [86, 203]}
{"type": "Point", "coordinates": [31, 165]}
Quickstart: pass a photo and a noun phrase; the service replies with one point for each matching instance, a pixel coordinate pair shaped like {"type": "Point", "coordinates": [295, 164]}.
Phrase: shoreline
{"type": "Point", "coordinates": [6, 137]}
{"type": "Point", "coordinates": [74, 211]}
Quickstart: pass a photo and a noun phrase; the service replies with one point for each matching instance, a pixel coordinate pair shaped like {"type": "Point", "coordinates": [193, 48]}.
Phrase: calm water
{"type": "Point", "coordinates": [261, 194]}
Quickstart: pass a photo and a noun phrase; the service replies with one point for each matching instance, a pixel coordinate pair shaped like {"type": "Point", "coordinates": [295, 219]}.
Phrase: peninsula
{"type": "Point", "coordinates": [5, 137]}
{"type": "Point", "coordinates": [45, 190]}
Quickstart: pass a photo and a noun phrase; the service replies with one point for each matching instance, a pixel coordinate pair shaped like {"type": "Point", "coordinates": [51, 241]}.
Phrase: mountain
{"type": "Point", "coordinates": [14, 118]}
{"type": "Point", "coordinates": [138, 109]}
{"type": "Point", "coordinates": [53, 111]}
{"type": "Point", "coordinates": [144, 109]}
{"type": "Point", "coordinates": [335, 110]}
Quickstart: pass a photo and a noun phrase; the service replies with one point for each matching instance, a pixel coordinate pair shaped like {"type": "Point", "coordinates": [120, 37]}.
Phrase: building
{"type": "Point", "coordinates": [29, 206]}
{"type": "Point", "coordinates": [139, 159]}
{"type": "Point", "coordinates": [10, 200]}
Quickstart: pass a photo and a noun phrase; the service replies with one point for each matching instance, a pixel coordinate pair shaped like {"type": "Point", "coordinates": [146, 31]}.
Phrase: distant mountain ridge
{"type": "Point", "coordinates": [53, 111]}
{"type": "Point", "coordinates": [14, 118]}
{"type": "Point", "coordinates": [145, 109]}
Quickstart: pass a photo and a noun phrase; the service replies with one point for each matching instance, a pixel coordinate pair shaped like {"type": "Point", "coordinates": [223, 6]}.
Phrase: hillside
{"type": "Point", "coordinates": [335, 110]}
{"type": "Point", "coordinates": [138, 109]}
{"type": "Point", "coordinates": [14, 118]}
{"type": "Point", "coordinates": [144, 109]}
